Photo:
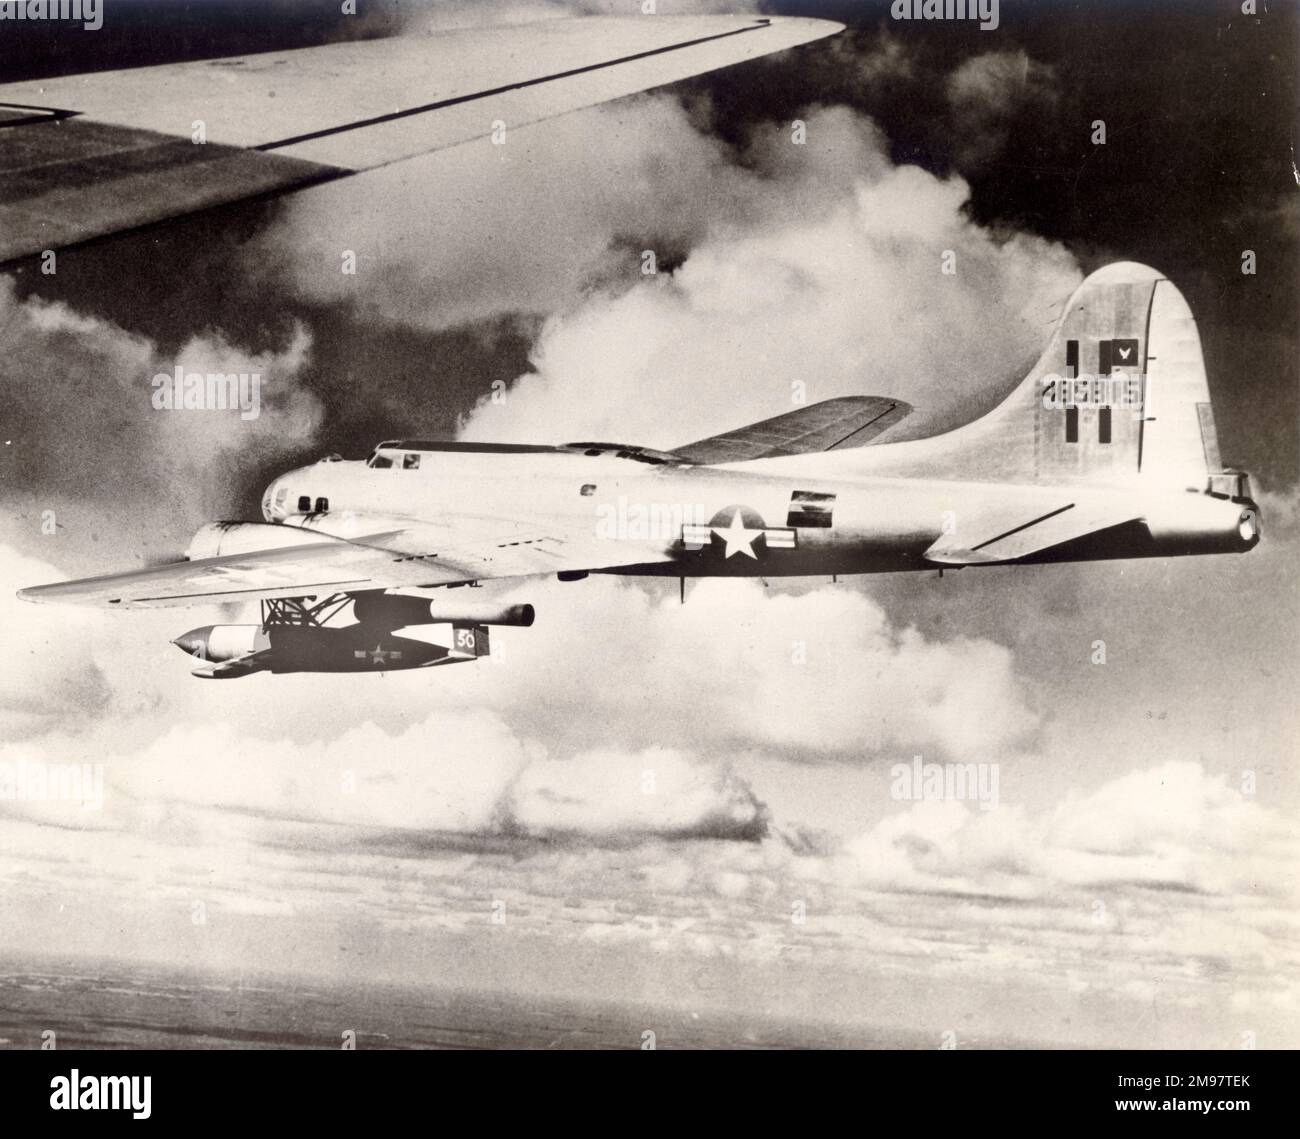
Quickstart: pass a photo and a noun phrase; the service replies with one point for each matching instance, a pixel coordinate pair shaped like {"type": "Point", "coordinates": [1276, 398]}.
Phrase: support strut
{"type": "Point", "coordinates": [297, 611]}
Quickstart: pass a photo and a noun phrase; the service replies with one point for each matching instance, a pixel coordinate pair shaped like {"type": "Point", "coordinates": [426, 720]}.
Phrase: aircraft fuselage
{"type": "Point", "coordinates": [731, 521]}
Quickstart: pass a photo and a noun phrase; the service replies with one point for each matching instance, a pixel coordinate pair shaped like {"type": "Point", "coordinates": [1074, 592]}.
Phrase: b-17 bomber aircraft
{"type": "Point", "coordinates": [1106, 449]}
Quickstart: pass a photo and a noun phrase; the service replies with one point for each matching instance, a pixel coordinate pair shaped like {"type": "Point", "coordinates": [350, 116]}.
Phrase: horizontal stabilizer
{"type": "Point", "coordinates": [1009, 534]}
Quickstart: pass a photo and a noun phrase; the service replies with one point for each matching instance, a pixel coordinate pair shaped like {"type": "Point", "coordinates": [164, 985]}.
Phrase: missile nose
{"type": "Point", "coordinates": [195, 642]}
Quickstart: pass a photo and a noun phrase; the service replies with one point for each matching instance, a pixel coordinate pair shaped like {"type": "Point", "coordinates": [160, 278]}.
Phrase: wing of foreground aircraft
{"type": "Point", "coordinates": [86, 156]}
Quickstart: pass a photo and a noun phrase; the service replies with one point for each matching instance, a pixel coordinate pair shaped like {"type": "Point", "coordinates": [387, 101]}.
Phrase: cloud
{"type": "Point", "coordinates": [474, 234]}
{"type": "Point", "coordinates": [49, 681]}
{"type": "Point", "coordinates": [1177, 901]}
{"type": "Point", "coordinates": [613, 794]}
{"type": "Point", "coordinates": [840, 293]}
{"type": "Point", "coordinates": [962, 109]}
{"type": "Point", "coordinates": [74, 383]}
{"type": "Point", "coordinates": [453, 773]}
{"type": "Point", "coordinates": [816, 674]}
{"type": "Point", "coordinates": [986, 96]}
{"type": "Point", "coordinates": [1175, 826]}
{"type": "Point", "coordinates": [820, 676]}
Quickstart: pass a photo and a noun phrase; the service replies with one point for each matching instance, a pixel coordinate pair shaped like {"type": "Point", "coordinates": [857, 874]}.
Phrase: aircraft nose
{"type": "Point", "coordinates": [268, 501]}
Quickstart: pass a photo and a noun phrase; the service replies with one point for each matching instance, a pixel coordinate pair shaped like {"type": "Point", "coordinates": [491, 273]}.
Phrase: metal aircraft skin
{"type": "Point", "coordinates": [87, 156]}
{"type": "Point", "coordinates": [1106, 449]}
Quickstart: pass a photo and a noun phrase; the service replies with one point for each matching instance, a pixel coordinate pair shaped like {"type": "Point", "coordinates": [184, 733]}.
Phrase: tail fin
{"type": "Point", "coordinates": [1120, 393]}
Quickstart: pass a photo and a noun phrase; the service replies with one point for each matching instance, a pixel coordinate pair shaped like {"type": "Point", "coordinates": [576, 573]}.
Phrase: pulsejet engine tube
{"type": "Point", "coordinates": [393, 610]}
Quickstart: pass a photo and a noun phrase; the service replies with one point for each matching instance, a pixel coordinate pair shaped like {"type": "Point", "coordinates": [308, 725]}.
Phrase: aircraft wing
{"type": "Point", "coordinates": [86, 156]}
{"type": "Point", "coordinates": [1007, 534]}
{"type": "Point", "coordinates": [411, 554]}
{"type": "Point", "coordinates": [849, 421]}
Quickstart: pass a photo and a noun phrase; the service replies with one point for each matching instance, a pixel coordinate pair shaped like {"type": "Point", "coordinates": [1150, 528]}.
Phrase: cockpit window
{"type": "Point", "coordinates": [304, 504]}
{"type": "Point", "coordinates": [379, 462]}
{"type": "Point", "coordinates": [410, 462]}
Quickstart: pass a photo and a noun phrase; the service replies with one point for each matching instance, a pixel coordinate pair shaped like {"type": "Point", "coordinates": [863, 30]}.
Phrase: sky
{"type": "Point", "coordinates": [693, 804]}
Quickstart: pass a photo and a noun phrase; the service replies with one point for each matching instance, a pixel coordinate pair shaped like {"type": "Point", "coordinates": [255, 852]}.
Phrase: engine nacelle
{"type": "Point", "coordinates": [219, 539]}
{"type": "Point", "coordinates": [393, 610]}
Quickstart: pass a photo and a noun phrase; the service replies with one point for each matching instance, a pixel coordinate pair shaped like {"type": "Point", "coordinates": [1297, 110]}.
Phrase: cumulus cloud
{"type": "Point", "coordinates": [517, 230]}
{"type": "Point", "coordinates": [821, 673]}
{"type": "Point", "coordinates": [1175, 902]}
{"type": "Point", "coordinates": [838, 294]}
{"type": "Point", "coordinates": [613, 794]}
{"type": "Point", "coordinates": [88, 443]}
{"type": "Point", "coordinates": [986, 95]}
{"type": "Point", "coordinates": [456, 773]}
{"type": "Point", "coordinates": [1175, 826]}
{"type": "Point", "coordinates": [960, 107]}
{"type": "Point", "coordinates": [48, 680]}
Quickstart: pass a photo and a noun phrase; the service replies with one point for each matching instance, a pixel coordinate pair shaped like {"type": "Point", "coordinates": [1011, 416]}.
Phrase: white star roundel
{"type": "Point", "coordinates": [739, 539]}
{"type": "Point", "coordinates": [737, 532]}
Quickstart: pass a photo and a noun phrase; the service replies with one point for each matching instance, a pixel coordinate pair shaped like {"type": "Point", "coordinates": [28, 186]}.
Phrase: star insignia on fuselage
{"type": "Point", "coordinates": [738, 537]}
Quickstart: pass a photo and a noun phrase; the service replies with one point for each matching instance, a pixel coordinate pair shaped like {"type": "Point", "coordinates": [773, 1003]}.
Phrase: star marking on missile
{"type": "Point", "coordinates": [378, 654]}
{"type": "Point", "coordinates": [739, 538]}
